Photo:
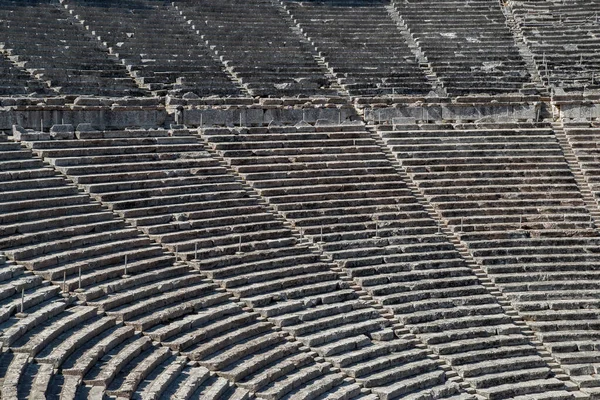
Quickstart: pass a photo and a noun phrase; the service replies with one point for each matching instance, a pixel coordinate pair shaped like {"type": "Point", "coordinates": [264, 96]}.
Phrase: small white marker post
{"type": "Point", "coordinates": [22, 314]}
{"type": "Point", "coordinates": [520, 222]}
{"type": "Point", "coordinates": [65, 289]}
{"type": "Point", "coordinates": [79, 289]}
{"type": "Point", "coordinates": [125, 274]}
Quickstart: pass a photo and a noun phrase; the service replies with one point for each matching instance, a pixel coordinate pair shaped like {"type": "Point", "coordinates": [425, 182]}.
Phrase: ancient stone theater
{"type": "Point", "coordinates": [300, 199]}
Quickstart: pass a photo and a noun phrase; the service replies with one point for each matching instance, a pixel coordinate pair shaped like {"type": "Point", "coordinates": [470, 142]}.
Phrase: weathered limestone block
{"type": "Point", "coordinates": [86, 130]}
{"type": "Point", "coordinates": [21, 134]}
{"type": "Point", "coordinates": [62, 132]}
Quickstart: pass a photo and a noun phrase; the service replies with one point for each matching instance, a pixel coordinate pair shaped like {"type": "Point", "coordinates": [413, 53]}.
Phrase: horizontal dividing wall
{"type": "Point", "coordinates": [121, 113]}
{"type": "Point", "coordinates": [434, 111]}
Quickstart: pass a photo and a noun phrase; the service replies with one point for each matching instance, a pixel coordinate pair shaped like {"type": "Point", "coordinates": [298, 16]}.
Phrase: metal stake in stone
{"type": "Point", "coordinates": [239, 244]}
{"type": "Point", "coordinates": [321, 239]}
{"type": "Point", "coordinates": [196, 251]}
{"type": "Point", "coordinates": [22, 300]}
{"type": "Point", "coordinates": [79, 280]}
{"type": "Point", "coordinates": [339, 117]}
{"type": "Point", "coordinates": [176, 251]}
{"type": "Point", "coordinates": [201, 123]}
{"type": "Point", "coordinates": [42, 125]}
{"type": "Point", "coordinates": [240, 119]}
{"type": "Point", "coordinates": [520, 222]}
{"type": "Point", "coordinates": [461, 224]}
{"type": "Point", "coordinates": [65, 290]}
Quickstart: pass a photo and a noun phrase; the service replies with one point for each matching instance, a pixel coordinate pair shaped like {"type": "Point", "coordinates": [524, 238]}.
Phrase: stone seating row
{"type": "Point", "coordinates": [561, 38]}
{"type": "Point", "coordinates": [362, 45]}
{"type": "Point", "coordinates": [55, 231]}
{"type": "Point", "coordinates": [115, 362]}
{"type": "Point", "coordinates": [266, 270]}
{"type": "Point", "coordinates": [246, 45]}
{"type": "Point", "coordinates": [583, 142]}
{"type": "Point", "coordinates": [365, 218]}
{"type": "Point", "coordinates": [148, 297]}
{"type": "Point", "coordinates": [77, 52]}
{"type": "Point", "coordinates": [16, 81]}
{"type": "Point", "coordinates": [514, 220]}
{"type": "Point", "coordinates": [474, 59]}
{"type": "Point", "coordinates": [79, 350]}
{"type": "Point", "coordinates": [22, 293]}
{"type": "Point", "coordinates": [163, 58]}
{"type": "Point", "coordinates": [112, 359]}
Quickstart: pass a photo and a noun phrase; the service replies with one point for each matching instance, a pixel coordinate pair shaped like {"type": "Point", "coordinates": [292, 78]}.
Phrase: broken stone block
{"type": "Point", "coordinates": [190, 96]}
{"type": "Point", "coordinates": [21, 134]}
